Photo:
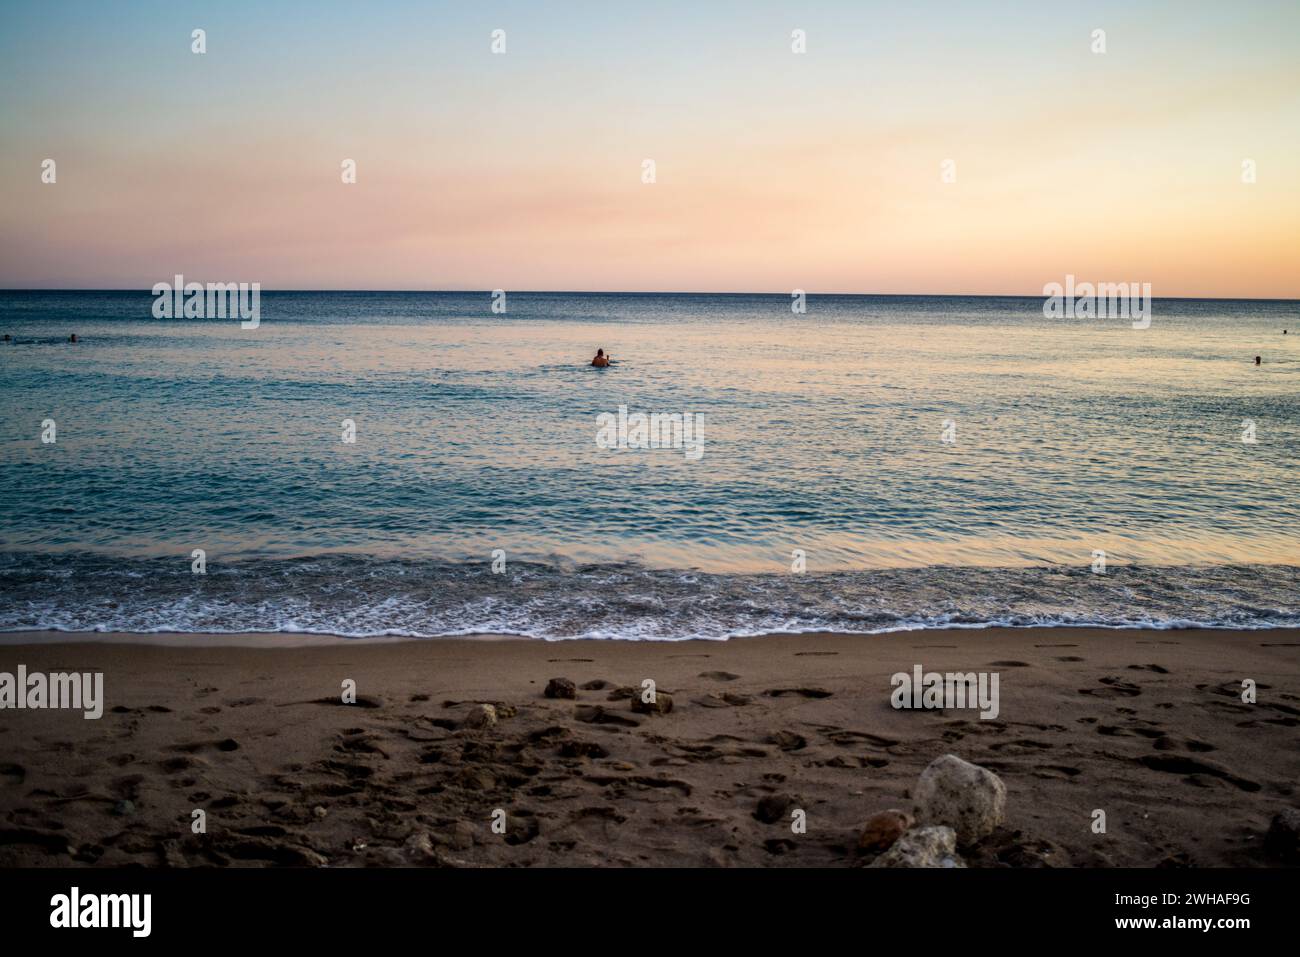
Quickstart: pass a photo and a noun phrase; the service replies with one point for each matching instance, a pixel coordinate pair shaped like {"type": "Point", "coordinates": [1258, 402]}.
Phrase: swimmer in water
{"type": "Point", "coordinates": [1256, 360]}
{"type": "Point", "coordinates": [601, 359]}
{"type": "Point", "coordinates": [72, 338]}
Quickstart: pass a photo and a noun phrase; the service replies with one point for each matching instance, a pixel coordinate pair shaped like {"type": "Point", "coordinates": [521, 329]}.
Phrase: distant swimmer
{"type": "Point", "coordinates": [72, 338]}
{"type": "Point", "coordinates": [6, 337]}
{"type": "Point", "coordinates": [601, 359]}
{"type": "Point", "coordinates": [1256, 360]}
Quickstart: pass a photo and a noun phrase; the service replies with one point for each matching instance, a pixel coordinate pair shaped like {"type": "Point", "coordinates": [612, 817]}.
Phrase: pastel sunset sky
{"type": "Point", "coordinates": [775, 170]}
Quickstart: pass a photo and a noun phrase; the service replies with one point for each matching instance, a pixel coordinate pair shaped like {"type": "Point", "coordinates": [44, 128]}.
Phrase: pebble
{"type": "Point", "coordinates": [561, 688]}
{"type": "Point", "coordinates": [883, 829]}
{"type": "Point", "coordinates": [1283, 837]}
{"type": "Point", "coordinates": [483, 716]}
{"type": "Point", "coordinates": [662, 704]}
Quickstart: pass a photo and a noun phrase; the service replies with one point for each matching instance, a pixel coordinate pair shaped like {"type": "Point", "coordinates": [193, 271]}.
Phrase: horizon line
{"type": "Point", "coordinates": [642, 292]}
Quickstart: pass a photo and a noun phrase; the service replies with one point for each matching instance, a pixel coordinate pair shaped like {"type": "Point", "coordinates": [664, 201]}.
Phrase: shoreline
{"type": "Point", "coordinates": [1148, 726]}
{"type": "Point", "coordinates": [302, 639]}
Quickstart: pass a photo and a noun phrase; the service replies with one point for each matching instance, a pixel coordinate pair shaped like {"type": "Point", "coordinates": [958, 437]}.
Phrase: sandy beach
{"type": "Point", "coordinates": [1149, 727]}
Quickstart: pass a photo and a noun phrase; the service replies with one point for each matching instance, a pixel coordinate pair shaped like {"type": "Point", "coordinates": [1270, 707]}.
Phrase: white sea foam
{"type": "Point", "coordinates": [360, 597]}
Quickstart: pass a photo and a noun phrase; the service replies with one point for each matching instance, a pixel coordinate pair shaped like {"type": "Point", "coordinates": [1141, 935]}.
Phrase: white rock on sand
{"type": "Point", "coordinates": [963, 796]}
{"type": "Point", "coordinates": [922, 847]}
{"type": "Point", "coordinates": [483, 716]}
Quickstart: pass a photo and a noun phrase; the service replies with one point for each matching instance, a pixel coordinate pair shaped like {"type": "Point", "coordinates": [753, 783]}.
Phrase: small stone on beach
{"type": "Point", "coordinates": [483, 716]}
{"type": "Point", "coordinates": [662, 704]}
{"type": "Point", "coordinates": [883, 829]}
{"type": "Point", "coordinates": [1283, 837]}
{"type": "Point", "coordinates": [561, 688]}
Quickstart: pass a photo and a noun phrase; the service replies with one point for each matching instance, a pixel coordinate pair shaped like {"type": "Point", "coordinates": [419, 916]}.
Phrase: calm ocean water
{"type": "Point", "coordinates": [822, 433]}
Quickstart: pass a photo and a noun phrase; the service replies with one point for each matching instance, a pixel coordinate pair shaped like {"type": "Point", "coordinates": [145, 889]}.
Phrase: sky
{"type": "Point", "coordinates": [774, 170]}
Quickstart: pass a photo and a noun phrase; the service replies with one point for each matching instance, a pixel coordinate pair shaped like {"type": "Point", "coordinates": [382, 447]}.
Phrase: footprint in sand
{"type": "Point", "coordinates": [1023, 745]}
{"type": "Point", "coordinates": [1114, 688]}
{"type": "Point", "coordinates": [1177, 764]}
{"type": "Point", "coordinates": [574, 748]}
{"type": "Point", "coordinates": [1111, 731]}
{"type": "Point", "coordinates": [595, 714]}
{"type": "Point", "coordinates": [177, 765]}
{"type": "Point", "coordinates": [1056, 772]}
{"type": "Point", "coordinates": [362, 743]}
{"type": "Point", "coordinates": [1156, 668]}
{"type": "Point", "coordinates": [1071, 658]}
{"type": "Point", "coordinates": [719, 675]}
{"type": "Point", "coordinates": [726, 700]}
{"type": "Point", "coordinates": [363, 701]}
{"type": "Point", "coordinates": [225, 744]}
{"type": "Point", "coordinates": [1232, 689]}
{"type": "Point", "coordinates": [350, 770]}
{"type": "Point", "coordinates": [802, 692]}
{"type": "Point", "coordinates": [847, 763]}
{"type": "Point", "coordinates": [1009, 664]}
{"type": "Point", "coordinates": [1281, 722]}
{"type": "Point", "coordinates": [846, 738]}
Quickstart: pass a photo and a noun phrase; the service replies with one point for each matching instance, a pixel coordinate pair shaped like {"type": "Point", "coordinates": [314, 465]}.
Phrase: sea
{"type": "Point", "coordinates": [418, 464]}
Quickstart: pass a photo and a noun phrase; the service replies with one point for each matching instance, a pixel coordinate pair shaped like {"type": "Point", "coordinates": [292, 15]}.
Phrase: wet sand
{"type": "Point", "coordinates": [1148, 726]}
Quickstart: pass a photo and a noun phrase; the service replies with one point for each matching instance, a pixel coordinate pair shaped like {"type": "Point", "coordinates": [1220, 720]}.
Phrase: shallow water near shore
{"type": "Point", "coordinates": [823, 435]}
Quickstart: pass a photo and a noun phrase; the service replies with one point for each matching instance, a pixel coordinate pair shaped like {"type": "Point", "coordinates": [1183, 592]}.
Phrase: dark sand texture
{"type": "Point", "coordinates": [1147, 726]}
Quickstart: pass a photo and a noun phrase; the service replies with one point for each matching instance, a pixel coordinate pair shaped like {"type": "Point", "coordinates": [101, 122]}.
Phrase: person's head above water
{"type": "Point", "coordinates": [600, 352]}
